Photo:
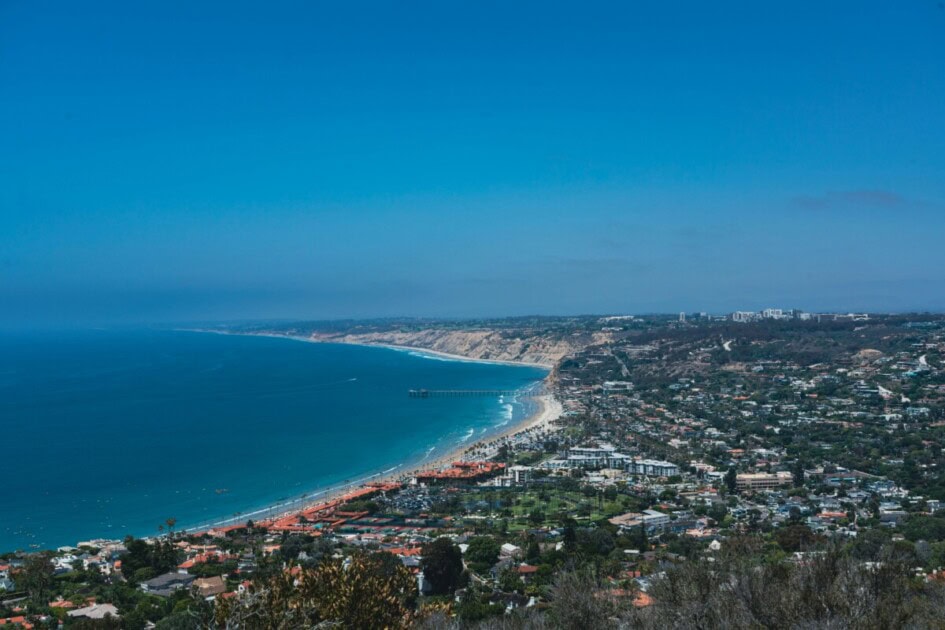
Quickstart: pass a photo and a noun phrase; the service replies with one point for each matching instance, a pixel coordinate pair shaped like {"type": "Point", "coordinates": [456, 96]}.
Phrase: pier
{"type": "Point", "coordinates": [473, 393]}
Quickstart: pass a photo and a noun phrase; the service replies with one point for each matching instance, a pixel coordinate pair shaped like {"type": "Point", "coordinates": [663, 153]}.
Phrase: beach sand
{"type": "Point", "coordinates": [549, 410]}
{"type": "Point", "coordinates": [543, 419]}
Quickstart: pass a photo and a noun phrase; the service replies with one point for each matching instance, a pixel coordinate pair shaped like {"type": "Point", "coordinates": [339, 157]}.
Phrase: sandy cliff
{"type": "Point", "coordinates": [475, 344]}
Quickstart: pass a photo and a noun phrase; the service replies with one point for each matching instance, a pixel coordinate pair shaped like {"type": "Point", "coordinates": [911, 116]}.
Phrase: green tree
{"type": "Point", "coordinates": [36, 578]}
{"type": "Point", "coordinates": [731, 480]}
{"type": "Point", "coordinates": [510, 582]}
{"type": "Point", "coordinates": [483, 553]}
{"type": "Point", "coordinates": [797, 472]}
{"type": "Point", "coordinates": [536, 517]}
{"type": "Point", "coordinates": [442, 565]}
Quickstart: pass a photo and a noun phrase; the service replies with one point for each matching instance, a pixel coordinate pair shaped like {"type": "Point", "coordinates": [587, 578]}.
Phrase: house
{"type": "Point", "coordinates": [526, 572]}
{"type": "Point", "coordinates": [165, 585]}
{"type": "Point", "coordinates": [511, 551]}
{"type": "Point", "coordinates": [95, 611]}
{"type": "Point", "coordinates": [210, 587]}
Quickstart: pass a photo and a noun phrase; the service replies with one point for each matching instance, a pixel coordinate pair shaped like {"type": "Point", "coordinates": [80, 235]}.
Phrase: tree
{"type": "Point", "coordinates": [442, 565]}
{"type": "Point", "coordinates": [36, 578]}
{"type": "Point", "coordinates": [577, 603]}
{"type": "Point", "coordinates": [920, 527]}
{"type": "Point", "coordinates": [731, 480]}
{"type": "Point", "coordinates": [533, 551]}
{"type": "Point", "coordinates": [160, 557]}
{"type": "Point", "coordinates": [368, 593]}
{"type": "Point", "coordinates": [510, 582]}
{"type": "Point", "coordinates": [797, 472]}
{"type": "Point", "coordinates": [795, 537]}
{"type": "Point", "coordinates": [483, 553]}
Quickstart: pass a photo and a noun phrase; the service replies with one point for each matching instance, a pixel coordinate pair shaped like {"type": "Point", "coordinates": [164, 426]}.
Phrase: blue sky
{"type": "Point", "coordinates": [163, 161]}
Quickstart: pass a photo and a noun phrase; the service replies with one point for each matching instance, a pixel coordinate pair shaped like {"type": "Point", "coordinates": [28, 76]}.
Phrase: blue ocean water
{"type": "Point", "coordinates": [109, 433]}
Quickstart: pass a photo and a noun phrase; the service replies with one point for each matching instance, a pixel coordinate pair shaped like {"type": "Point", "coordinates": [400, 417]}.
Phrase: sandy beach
{"type": "Point", "coordinates": [549, 409]}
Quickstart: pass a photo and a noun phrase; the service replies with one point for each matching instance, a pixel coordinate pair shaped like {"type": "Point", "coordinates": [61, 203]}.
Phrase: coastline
{"type": "Point", "coordinates": [548, 410]}
{"type": "Point", "coordinates": [437, 353]}
{"type": "Point", "coordinates": [536, 414]}
{"type": "Point", "coordinates": [389, 346]}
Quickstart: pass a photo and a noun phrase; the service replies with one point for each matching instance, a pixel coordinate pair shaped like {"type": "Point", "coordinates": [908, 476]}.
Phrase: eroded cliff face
{"type": "Point", "coordinates": [474, 344]}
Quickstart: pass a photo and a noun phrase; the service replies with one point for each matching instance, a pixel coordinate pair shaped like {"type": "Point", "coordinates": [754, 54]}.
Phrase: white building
{"type": "Point", "coordinates": [650, 519]}
{"type": "Point", "coordinates": [516, 476]}
{"type": "Point", "coordinates": [744, 316]}
{"type": "Point", "coordinates": [596, 457]}
{"type": "Point", "coordinates": [652, 468]}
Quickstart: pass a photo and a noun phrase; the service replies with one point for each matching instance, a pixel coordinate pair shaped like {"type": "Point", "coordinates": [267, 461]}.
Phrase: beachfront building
{"type": "Point", "coordinates": [516, 476]}
{"type": "Point", "coordinates": [460, 472]}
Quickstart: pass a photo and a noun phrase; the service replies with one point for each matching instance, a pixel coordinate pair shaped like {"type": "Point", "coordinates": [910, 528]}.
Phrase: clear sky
{"type": "Point", "coordinates": [164, 161]}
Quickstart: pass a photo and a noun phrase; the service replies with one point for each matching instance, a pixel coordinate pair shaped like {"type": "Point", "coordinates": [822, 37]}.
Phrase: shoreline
{"type": "Point", "coordinates": [548, 410]}
{"type": "Point", "coordinates": [366, 344]}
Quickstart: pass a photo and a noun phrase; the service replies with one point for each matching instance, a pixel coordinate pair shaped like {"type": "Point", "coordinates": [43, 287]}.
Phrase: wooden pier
{"type": "Point", "coordinates": [472, 393]}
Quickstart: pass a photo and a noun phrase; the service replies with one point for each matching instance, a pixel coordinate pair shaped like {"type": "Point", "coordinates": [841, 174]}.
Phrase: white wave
{"type": "Point", "coordinates": [432, 357]}
{"type": "Point", "coordinates": [468, 435]}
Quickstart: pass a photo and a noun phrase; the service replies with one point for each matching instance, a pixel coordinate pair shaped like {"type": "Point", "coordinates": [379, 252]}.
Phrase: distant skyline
{"type": "Point", "coordinates": [298, 160]}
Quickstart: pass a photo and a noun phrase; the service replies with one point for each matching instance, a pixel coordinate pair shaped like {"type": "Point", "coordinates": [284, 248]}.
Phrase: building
{"type": "Point", "coordinates": [650, 519]}
{"type": "Point", "coordinates": [95, 611]}
{"type": "Point", "coordinates": [460, 472]}
{"type": "Point", "coordinates": [652, 468]}
{"type": "Point", "coordinates": [165, 585]}
{"type": "Point", "coordinates": [596, 457]}
{"type": "Point", "coordinates": [516, 476]}
{"type": "Point", "coordinates": [210, 587]}
{"type": "Point", "coordinates": [762, 481]}
{"type": "Point", "coordinates": [744, 316]}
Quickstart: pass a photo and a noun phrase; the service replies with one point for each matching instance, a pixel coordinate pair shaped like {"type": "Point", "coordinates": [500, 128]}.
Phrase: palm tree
{"type": "Point", "coordinates": [171, 522]}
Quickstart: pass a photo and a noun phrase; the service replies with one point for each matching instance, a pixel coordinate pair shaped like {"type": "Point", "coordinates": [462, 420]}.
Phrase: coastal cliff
{"type": "Point", "coordinates": [474, 344]}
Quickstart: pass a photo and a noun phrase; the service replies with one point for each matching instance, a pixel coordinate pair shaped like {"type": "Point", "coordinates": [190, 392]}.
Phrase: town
{"type": "Point", "coordinates": [780, 451]}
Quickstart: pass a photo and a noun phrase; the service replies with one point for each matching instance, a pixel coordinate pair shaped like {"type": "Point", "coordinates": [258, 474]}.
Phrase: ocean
{"type": "Point", "coordinates": [110, 433]}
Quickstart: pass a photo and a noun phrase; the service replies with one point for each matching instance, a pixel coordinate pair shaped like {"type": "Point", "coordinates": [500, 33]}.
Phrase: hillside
{"type": "Point", "coordinates": [473, 344]}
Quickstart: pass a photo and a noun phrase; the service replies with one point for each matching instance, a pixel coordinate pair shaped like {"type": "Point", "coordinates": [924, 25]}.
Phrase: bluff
{"type": "Point", "coordinates": [474, 344]}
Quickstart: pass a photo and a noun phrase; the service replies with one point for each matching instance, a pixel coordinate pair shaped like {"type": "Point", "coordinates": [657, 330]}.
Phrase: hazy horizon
{"type": "Point", "coordinates": [176, 163]}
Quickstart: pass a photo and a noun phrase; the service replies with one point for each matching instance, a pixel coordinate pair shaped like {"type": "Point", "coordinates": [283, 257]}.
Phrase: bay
{"type": "Point", "coordinates": [109, 433]}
